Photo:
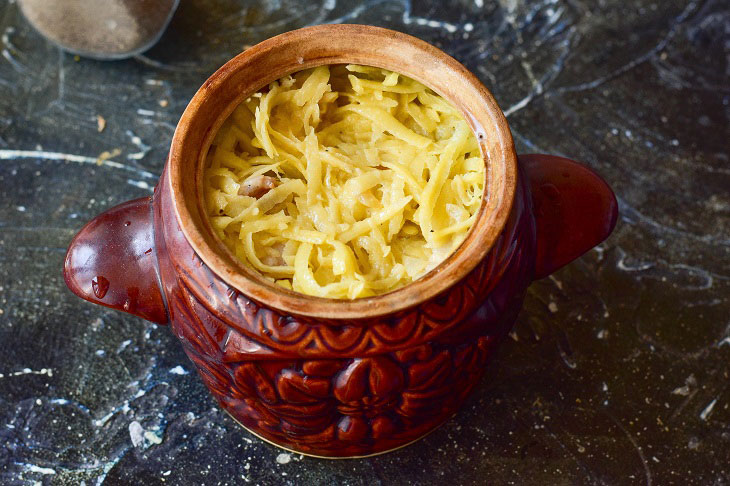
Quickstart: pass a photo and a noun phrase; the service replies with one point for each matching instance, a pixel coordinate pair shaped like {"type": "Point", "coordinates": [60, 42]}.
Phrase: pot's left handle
{"type": "Point", "coordinates": [112, 261]}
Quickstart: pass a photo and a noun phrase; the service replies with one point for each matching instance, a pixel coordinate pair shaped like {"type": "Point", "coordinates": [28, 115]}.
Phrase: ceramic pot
{"type": "Point", "coordinates": [329, 377]}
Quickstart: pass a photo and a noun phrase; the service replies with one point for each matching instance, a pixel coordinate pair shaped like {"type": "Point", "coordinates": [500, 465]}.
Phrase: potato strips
{"type": "Point", "coordinates": [344, 181]}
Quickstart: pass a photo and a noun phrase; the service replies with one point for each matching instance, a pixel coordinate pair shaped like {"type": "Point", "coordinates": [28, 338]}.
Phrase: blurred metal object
{"type": "Point", "coordinates": [100, 29]}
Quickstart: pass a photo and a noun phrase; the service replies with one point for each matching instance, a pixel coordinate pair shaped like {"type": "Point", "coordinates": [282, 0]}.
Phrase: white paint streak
{"type": "Point", "coordinates": [28, 371]}
{"type": "Point", "coordinates": [123, 345]}
{"type": "Point", "coordinates": [436, 24]}
{"type": "Point", "coordinates": [152, 438]}
{"type": "Point", "coordinates": [136, 433]}
{"type": "Point", "coordinates": [61, 76]}
{"type": "Point", "coordinates": [179, 370]}
{"type": "Point", "coordinates": [143, 148]}
{"type": "Point", "coordinates": [519, 105]}
{"type": "Point", "coordinates": [140, 184]}
{"type": "Point", "coordinates": [108, 467]}
{"type": "Point", "coordinates": [708, 410]}
{"type": "Point", "coordinates": [637, 448]}
{"type": "Point", "coordinates": [79, 159]}
{"type": "Point", "coordinates": [37, 469]}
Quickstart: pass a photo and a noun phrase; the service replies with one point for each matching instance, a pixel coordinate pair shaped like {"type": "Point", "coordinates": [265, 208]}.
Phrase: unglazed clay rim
{"type": "Point", "coordinates": [338, 44]}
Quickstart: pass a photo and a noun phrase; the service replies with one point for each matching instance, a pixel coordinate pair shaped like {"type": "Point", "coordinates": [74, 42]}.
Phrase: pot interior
{"type": "Point", "coordinates": [340, 44]}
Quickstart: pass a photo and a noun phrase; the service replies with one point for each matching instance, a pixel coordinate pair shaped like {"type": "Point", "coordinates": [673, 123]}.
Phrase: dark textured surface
{"type": "Point", "coordinates": [618, 370]}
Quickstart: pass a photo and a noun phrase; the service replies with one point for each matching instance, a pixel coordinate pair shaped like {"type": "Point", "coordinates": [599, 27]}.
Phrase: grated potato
{"type": "Point", "coordinates": [344, 181]}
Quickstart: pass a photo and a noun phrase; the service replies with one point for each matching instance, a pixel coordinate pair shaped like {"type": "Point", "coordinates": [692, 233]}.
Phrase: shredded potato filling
{"type": "Point", "coordinates": [344, 181]}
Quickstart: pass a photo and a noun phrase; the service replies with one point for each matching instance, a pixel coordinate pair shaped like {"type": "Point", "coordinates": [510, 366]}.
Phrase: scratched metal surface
{"type": "Point", "coordinates": [617, 371]}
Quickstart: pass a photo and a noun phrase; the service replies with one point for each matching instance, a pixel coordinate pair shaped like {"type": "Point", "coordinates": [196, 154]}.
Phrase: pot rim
{"type": "Point", "coordinates": [309, 47]}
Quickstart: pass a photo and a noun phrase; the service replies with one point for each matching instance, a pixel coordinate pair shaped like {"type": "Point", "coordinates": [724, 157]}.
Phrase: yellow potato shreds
{"type": "Point", "coordinates": [344, 181]}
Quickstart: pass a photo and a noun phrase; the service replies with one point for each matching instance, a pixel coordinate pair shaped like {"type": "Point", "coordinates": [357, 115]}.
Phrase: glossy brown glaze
{"type": "Point", "coordinates": [333, 378]}
{"type": "Point", "coordinates": [112, 262]}
{"type": "Point", "coordinates": [574, 209]}
{"type": "Point", "coordinates": [344, 387]}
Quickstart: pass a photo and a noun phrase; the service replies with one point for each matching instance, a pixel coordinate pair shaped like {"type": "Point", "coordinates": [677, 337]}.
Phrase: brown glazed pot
{"type": "Point", "coordinates": [329, 377]}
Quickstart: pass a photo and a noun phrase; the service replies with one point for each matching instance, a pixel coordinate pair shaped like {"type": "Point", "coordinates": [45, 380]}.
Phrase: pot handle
{"type": "Point", "coordinates": [574, 209]}
{"type": "Point", "coordinates": [112, 261]}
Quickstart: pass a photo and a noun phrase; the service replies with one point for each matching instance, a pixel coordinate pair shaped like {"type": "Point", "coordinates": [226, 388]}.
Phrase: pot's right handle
{"type": "Point", "coordinates": [574, 209]}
